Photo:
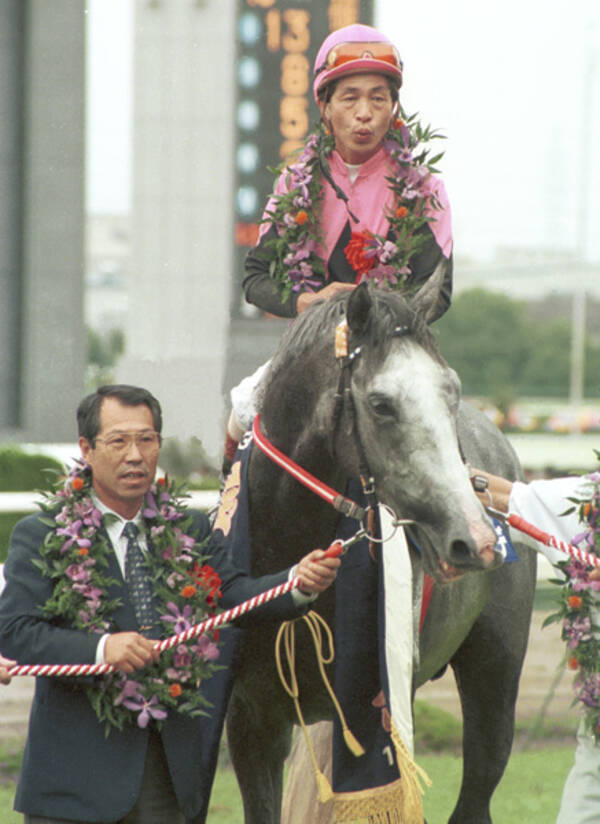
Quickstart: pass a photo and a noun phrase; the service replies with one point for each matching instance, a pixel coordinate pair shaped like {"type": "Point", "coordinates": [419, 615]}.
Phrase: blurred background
{"type": "Point", "coordinates": [135, 138]}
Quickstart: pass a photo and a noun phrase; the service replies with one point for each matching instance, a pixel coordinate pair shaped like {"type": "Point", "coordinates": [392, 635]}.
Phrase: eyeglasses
{"type": "Point", "coordinates": [120, 442]}
{"type": "Point", "coordinates": [346, 52]}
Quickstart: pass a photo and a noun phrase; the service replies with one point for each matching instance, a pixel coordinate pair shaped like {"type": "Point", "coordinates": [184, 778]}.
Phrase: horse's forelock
{"type": "Point", "coordinates": [312, 333]}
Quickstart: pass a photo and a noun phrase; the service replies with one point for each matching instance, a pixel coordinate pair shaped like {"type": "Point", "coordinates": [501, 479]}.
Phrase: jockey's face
{"type": "Point", "coordinates": [359, 113]}
{"type": "Point", "coordinates": [124, 458]}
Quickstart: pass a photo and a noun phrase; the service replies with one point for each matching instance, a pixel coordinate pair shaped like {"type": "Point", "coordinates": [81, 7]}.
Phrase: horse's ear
{"type": "Point", "coordinates": [359, 306]}
{"type": "Point", "coordinates": [426, 299]}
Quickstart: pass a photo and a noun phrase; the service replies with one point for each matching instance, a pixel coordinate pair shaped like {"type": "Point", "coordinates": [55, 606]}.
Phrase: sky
{"type": "Point", "coordinates": [515, 87]}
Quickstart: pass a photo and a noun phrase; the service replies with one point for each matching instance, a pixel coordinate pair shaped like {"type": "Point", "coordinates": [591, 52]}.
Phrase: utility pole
{"type": "Point", "coordinates": [578, 313]}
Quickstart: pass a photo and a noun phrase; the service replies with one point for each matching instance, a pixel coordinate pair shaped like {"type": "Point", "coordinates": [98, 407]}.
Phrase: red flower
{"type": "Point", "coordinates": [574, 601]}
{"type": "Point", "coordinates": [401, 211]}
{"type": "Point", "coordinates": [83, 550]}
{"type": "Point", "coordinates": [398, 123]}
{"type": "Point", "coordinates": [209, 580]}
{"type": "Point", "coordinates": [188, 591]}
{"type": "Point", "coordinates": [301, 217]}
{"type": "Point", "coordinates": [77, 483]}
{"type": "Point", "coordinates": [356, 252]}
{"type": "Point", "coordinates": [161, 481]}
{"type": "Point", "coordinates": [175, 690]}
{"type": "Point", "coordinates": [573, 663]}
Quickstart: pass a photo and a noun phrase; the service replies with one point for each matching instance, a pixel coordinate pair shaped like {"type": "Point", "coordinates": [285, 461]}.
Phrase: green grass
{"type": "Point", "coordinates": [530, 790]}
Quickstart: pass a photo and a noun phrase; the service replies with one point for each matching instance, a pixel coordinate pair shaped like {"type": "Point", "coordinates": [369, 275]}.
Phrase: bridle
{"type": "Point", "coordinates": [343, 399]}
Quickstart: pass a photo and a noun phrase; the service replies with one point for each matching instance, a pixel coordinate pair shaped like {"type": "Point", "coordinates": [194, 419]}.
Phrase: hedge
{"type": "Point", "coordinates": [21, 472]}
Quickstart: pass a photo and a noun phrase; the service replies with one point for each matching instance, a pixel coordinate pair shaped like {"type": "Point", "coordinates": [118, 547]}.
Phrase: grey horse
{"type": "Point", "coordinates": [416, 434]}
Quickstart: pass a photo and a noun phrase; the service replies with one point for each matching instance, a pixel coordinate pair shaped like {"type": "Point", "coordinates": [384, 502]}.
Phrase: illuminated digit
{"type": "Point", "coordinates": [273, 23]}
{"type": "Point", "coordinates": [387, 751]}
{"type": "Point", "coordinates": [293, 117]}
{"type": "Point", "coordinates": [295, 74]}
{"type": "Point", "coordinates": [288, 147]}
{"type": "Point", "coordinates": [297, 35]}
{"type": "Point", "coordinates": [342, 13]}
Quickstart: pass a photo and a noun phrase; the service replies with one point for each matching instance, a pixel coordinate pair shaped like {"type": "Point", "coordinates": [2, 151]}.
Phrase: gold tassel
{"type": "Point", "coordinates": [352, 744]}
{"type": "Point", "coordinates": [286, 633]}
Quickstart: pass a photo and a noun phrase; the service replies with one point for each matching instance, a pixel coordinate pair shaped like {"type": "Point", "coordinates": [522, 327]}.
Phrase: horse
{"type": "Point", "coordinates": [403, 413]}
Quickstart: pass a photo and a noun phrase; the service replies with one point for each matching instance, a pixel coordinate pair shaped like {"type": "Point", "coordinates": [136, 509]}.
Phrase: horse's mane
{"type": "Point", "coordinates": [306, 342]}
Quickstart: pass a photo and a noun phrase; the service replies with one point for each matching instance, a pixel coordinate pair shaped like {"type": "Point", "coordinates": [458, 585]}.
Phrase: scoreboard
{"type": "Point", "coordinates": [277, 42]}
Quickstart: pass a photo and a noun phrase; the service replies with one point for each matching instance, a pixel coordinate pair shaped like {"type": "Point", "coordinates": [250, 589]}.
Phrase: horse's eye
{"type": "Point", "coordinates": [382, 406]}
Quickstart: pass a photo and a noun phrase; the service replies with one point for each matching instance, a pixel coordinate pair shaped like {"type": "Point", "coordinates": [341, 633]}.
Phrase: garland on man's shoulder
{"type": "Point", "coordinates": [75, 556]}
{"type": "Point", "coordinates": [295, 213]}
{"type": "Point", "coordinates": [579, 606]}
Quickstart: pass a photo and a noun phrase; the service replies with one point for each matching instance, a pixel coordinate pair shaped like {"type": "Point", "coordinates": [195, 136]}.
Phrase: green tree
{"type": "Point", "coordinates": [484, 337]}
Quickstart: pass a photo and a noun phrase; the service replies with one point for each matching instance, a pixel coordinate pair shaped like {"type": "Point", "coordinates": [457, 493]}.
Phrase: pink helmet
{"type": "Point", "coordinates": [352, 50]}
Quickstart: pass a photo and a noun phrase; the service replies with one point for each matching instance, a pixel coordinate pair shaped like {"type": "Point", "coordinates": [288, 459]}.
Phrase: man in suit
{"type": "Point", "coordinates": [72, 771]}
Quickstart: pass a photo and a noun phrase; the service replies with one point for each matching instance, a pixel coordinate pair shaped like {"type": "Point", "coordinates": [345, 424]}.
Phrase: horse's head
{"type": "Point", "coordinates": [400, 403]}
{"type": "Point", "coordinates": [406, 400]}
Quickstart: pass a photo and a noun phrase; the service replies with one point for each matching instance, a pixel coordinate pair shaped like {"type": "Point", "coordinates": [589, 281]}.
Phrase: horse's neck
{"type": "Point", "coordinates": [287, 519]}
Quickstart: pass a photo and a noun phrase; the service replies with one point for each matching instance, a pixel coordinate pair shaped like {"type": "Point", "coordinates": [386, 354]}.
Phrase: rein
{"type": "Point", "coordinates": [335, 499]}
{"type": "Point", "coordinates": [343, 398]}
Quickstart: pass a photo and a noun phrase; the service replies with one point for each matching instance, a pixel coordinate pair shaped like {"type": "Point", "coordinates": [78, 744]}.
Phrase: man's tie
{"type": "Point", "coordinates": [140, 590]}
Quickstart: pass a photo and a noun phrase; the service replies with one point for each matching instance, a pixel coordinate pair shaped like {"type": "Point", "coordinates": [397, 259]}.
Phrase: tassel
{"type": "Point", "coordinates": [353, 745]}
{"type": "Point", "coordinates": [324, 787]}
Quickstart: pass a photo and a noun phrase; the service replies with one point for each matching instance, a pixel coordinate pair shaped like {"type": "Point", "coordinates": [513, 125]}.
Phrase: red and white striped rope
{"type": "Point", "coordinates": [180, 638]}
{"type": "Point", "coordinates": [549, 540]}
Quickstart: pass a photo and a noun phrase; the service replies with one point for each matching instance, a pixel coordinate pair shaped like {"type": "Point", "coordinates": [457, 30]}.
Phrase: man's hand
{"type": "Point", "coordinates": [317, 571]}
{"type": "Point", "coordinates": [5, 665]}
{"type": "Point", "coordinates": [330, 291]}
{"type": "Point", "coordinates": [129, 651]}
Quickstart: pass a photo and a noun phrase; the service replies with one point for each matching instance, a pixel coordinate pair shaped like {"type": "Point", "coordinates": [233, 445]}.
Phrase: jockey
{"type": "Point", "coordinates": [359, 202]}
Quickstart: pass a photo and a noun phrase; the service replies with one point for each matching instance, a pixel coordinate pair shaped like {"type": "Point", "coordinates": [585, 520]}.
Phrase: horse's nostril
{"type": "Point", "coordinates": [460, 554]}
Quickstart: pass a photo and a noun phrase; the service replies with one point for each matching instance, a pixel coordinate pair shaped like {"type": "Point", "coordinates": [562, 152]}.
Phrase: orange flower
{"type": "Point", "coordinates": [574, 601]}
{"type": "Point", "coordinates": [175, 690]}
{"type": "Point", "coordinates": [586, 509]}
{"type": "Point", "coordinates": [573, 663]}
{"type": "Point", "coordinates": [83, 550]}
{"type": "Point", "coordinates": [398, 123]}
{"type": "Point", "coordinates": [161, 481]}
{"type": "Point", "coordinates": [301, 217]}
{"type": "Point", "coordinates": [188, 591]}
{"type": "Point", "coordinates": [401, 211]}
{"type": "Point", "coordinates": [77, 483]}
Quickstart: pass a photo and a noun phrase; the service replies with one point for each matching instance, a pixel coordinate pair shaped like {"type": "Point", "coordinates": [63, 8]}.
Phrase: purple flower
{"type": "Point", "coordinates": [170, 513]}
{"type": "Point", "coordinates": [151, 508]}
{"type": "Point", "coordinates": [88, 513]}
{"type": "Point", "coordinates": [130, 689]}
{"type": "Point", "coordinates": [155, 531]}
{"type": "Point", "coordinates": [179, 618]}
{"type": "Point", "coordinates": [181, 656]}
{"type": "Point", "coordinates": [588, 690]}
{"type": "Point", "coordinates": [206, 649]}
{"type": "Point", "coordinates": [388, 251]}
{"type": "Point", "coordinates": [147, 710]}
{"type": "Point", "coordinates": [77, 572]}
{"type": "Point", "coordinates": [577, 631]}
{"type": "Point", "coordinates": [380, 275]}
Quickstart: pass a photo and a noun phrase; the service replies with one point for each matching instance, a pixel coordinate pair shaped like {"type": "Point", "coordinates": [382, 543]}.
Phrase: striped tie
{"type": "Point", "coordinates": [140, 590]}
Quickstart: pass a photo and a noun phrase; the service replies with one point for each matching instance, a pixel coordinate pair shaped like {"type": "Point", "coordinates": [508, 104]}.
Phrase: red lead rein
{"type": "Point", "coordinates": [549, 540]}
{"type": "Point", "coordinates": [173, 640]}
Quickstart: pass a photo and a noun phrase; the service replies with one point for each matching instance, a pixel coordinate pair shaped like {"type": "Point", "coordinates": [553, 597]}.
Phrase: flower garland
{"type": "Point", "coordinates": [75, 556]}
{"type": "Point", "coordinates": [295, 213]}
{"type": "Point", "coordinates": [579, 607]}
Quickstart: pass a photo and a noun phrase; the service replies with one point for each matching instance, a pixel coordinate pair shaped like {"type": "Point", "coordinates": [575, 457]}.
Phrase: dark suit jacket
{"type": "Point", "coordinates": [70, 768]}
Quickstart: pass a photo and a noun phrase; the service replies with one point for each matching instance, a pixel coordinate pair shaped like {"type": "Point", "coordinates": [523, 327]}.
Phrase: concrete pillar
{"type": "Point", "coordinates": [42, 86]}
{"type": "Point", "coordinates": [178, 321]}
